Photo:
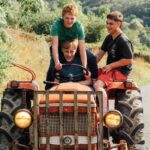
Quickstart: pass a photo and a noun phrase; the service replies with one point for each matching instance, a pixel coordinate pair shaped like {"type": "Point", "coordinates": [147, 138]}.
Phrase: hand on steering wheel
{"type": "Point", "coordinates": [72, 77]}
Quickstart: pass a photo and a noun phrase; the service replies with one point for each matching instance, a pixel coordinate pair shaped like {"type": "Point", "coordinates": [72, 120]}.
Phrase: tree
{"type": "Point", "coordinates": [136, 24]}
{"type": "Point", "coordinates": [4, 56]}
{"type": "Point", "coordinates": [3, 24]}
{"type": "Point", "coordinates": [4, 62]}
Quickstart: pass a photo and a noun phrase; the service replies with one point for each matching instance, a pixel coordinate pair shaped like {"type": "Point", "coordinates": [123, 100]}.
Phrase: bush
{"type": "Point", "coordinates": [4, 62]}
{"type": "Point", "coordinates": [4, 56]}
{"type": "Point", "coordinates": [93, 32]}
{"type": "Point", "coordinates": [3, 22]}
{"type": "Point", "coordinates": [3, 35]}
{"type": "Point", "coordinates": [42, 22]}
{"type": "Point", "coordinates": [136, 24]}
{"type": "Point", "coordinates": [95, 28]}
{"type": "Point", "coordinates": [144, 37]}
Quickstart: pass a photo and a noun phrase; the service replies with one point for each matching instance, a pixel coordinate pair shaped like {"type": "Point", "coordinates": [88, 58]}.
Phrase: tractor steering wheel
{"type": "Point", "coordinates": [70, 77]}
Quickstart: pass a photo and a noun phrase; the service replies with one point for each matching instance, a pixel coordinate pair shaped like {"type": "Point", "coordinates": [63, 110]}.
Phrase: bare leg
{"type": "Point", "coordinates": [99, 86]}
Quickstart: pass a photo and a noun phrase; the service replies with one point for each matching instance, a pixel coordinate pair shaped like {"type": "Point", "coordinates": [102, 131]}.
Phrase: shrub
{"type": "Point", "coordinates": [42, 22]}
{"type": "Point", "coordinates": [95, 28]}
{"type": "Point", "coordinates": [144, 37]}
{"type": "Point", "coordinates": [4, 62]}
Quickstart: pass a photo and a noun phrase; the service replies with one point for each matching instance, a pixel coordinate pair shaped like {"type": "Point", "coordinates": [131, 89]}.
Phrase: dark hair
{"type": "Point", "coordinates": [116, 16]}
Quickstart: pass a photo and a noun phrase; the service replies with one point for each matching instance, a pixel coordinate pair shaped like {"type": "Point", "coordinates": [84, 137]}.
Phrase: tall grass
{"type": "Point", "coordinates": [30, 50]}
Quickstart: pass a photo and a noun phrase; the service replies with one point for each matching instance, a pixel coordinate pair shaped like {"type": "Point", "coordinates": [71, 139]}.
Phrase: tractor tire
{"type": "Point", "coordinates": [9, 132]}
{"type": "Point", "coordinates": [129, 103]}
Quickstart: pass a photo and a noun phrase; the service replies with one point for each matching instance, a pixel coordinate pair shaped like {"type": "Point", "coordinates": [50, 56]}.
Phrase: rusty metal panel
{"type": "Point", "coordinates": [89, 120]}
{"type": "Point", "coordinates": [47, 122]}
{"type": "Point", "coordinates": [35, 120]}
{"type": "Point", "coordinates": [100, 100]}
{"type": "Point", "coordinates": [76, 121]}
{"type": "Point", "coordinates": [61, 116]}
{"type": "Point", "coordinates": [61, 120]}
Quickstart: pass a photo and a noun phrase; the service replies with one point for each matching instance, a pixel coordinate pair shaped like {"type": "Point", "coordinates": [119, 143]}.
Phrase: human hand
{"type": "Point", "coordinates": [58, 66]}
{"type": "Point", "coordinates": [87, 76]}
{"type": "Point", "coordinates": [106, 68]}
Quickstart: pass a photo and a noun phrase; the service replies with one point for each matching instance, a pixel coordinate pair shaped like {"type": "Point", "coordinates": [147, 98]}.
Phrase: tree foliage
{"type": "Point", "coordinates": [4, 56]}
{"type": "Point", "coordinates": [4, 62]}
{"type": "Point", "coordinates": [38, 16]}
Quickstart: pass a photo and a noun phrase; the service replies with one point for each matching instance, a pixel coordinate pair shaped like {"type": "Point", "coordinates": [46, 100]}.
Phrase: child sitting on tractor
{"type": "Point", "coordinates": [70, 57]}
{"type": "Point", "coordinates": [120, 53]}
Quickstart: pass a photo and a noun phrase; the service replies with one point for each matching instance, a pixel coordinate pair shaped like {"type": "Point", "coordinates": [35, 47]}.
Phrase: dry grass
{"type": "Point", "coordinates": [30, 50]}
{"type": "Point", "coordinates": [141, 71]}
{"type": "Point", "coordinates": [33, 51]}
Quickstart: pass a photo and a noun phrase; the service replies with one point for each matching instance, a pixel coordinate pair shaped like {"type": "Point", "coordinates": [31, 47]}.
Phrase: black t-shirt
{"type": "Point", "coordinates": [119, 48]}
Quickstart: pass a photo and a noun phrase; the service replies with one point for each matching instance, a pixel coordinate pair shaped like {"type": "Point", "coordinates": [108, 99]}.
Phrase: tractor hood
{"type": "Point", "coordinates": [71, 86]}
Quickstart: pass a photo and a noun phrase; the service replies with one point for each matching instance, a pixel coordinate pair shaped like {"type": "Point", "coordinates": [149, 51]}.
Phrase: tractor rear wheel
{"type": "Point", "coordinates": [129, 103]}
{"type": "Point", "coordinates": [9, 133]}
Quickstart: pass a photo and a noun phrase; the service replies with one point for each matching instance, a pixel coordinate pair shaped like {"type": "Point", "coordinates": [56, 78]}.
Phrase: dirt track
{"type": "Point", "coordinates": [146, 104]}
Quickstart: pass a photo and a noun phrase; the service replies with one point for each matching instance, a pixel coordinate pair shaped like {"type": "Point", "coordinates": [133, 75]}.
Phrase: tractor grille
{"type": "Point", "coordinates": [52, 121]}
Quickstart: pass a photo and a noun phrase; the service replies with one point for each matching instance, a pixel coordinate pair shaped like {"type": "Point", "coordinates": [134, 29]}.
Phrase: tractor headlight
{"type": "Point", "coordinates": [113, 119]}
{"type": "Point", "coordinates": [23, 118]}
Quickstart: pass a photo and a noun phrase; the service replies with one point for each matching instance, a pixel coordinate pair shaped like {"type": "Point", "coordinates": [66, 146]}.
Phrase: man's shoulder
{"type": "Point", "coordinates": [78, 24]}
{"type": "Point", "coordinates": [108, 36]}
{"type": "Point", "coordinates": [123, 38]}
{"type": "Point", "coordinates": [58, 21]}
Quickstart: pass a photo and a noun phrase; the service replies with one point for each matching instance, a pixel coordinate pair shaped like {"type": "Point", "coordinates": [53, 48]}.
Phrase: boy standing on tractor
{"type": "Point", "coordinates": [119, 50]}
{"type": "Point", "coordinates": [66, 28]}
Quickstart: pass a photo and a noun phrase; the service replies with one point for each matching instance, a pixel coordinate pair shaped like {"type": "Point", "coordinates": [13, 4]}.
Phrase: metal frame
{"type": "Point", "coordinates": [47, 95]}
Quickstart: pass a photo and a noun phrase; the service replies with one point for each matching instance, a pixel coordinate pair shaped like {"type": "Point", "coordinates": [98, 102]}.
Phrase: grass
{"type": "Point", "coordinates": [33, 51]}
{"type": "Point", "coordinates": [141, 71]}
{"type": "Point", "coordinates": [30, 50]}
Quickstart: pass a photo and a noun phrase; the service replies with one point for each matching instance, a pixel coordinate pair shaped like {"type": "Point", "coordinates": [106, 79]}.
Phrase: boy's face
{"type": "Point", "coordinates": [69, 20]}
{"type": "Point", "coordinates": [69, 54]}
{"type": "Point", "coordinates": [112, 25]}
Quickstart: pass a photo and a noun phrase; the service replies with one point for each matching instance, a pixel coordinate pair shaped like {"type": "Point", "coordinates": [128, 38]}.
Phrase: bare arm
{"type": "Point", "coordinates": [55, 49]}
{"type": "Point", "coordinates": [86, 82]}
{"type": "Point", "coordinates": [99, 55]}
{"type": "Point", "coordinates": [55, 54]}
{"type": "Point", "coordinates": [83, 53]}
{"type": "Point", "coordinates": [117, 64]}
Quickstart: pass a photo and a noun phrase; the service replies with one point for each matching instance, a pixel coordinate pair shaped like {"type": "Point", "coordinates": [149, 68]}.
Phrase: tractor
{"type": "Point", "coordinates": [70, 116]}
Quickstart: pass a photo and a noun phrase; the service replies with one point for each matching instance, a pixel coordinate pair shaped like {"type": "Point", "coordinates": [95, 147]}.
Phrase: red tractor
{"type": "Point", "coordinates": [66, 117]}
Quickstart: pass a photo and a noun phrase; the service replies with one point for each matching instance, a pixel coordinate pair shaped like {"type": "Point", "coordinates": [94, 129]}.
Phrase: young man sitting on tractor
{"type": "Point", "coordinates": [120, 53]}
{"type": "Point", "coordinates": [71, 57]}
{"type": "Point", "coordinates": [127, 99]}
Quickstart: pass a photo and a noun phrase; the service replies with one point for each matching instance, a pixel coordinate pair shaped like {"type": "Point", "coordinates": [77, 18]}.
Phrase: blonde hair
{"type": "Point", "coordinates": [115, 15]}
{"type": "Point", "coordinates": [71, 9]}
{"type": "Point", "coordinates": [70, 43]}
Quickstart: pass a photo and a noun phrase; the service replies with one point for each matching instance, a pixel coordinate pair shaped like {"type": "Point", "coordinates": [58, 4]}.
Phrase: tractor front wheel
{"type": "Point", "coordinates": [129, 103]}
{"type": "Point", "coordinates": [9, 132]}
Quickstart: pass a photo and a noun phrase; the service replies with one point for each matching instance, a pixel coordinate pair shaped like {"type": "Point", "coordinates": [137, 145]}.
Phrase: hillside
{"type": "Point", "coordinates": [33, 51]}
{"type": "Point", "coordinates": [30, 50]}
